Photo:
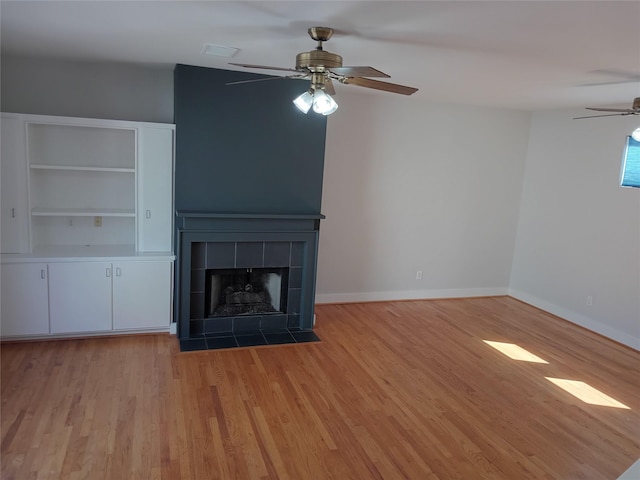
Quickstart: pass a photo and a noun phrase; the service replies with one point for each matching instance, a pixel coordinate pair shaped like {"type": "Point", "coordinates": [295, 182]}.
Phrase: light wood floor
{"type": "Point", "coordinates": [398, 390]}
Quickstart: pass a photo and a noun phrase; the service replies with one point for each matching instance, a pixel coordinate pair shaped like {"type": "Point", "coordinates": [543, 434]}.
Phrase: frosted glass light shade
{"type": "Point", "coordinates": [304, 102]}
{"type": "Point", "coordinates": [323, 103]}
{"type": "Point", "coordinates": [636, 134]}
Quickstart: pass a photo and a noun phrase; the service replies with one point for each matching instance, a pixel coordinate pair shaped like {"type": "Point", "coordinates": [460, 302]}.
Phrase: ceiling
{"type": "Point", "coordinates": [528, 55]}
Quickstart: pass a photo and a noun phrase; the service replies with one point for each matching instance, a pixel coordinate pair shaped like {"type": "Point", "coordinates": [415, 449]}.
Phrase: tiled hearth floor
{"type": "Point", "coordinates": [216, 341]}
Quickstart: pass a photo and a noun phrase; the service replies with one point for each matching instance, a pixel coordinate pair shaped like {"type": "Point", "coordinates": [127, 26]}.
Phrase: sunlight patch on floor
{"type": "Point", "coordinates": [586, 393]}
{"type": "Point", "coordinates": [515, 352]}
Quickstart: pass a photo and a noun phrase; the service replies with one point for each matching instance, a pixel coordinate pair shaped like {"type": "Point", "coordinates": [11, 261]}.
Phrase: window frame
{"type": "Point", "coordinates": [630, 164]}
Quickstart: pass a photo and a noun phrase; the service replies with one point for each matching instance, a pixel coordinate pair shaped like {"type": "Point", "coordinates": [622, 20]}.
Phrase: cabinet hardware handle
{"type": "Point", "coordinates": [148, 214]}
{"type": "Point", "coordinates": [13, 213]}
{"type": "Point", "coordinates": [42, 274]}
{"type": "Point", "coordinates": [118, 272]}
{"type": "Point", "coordinates": [108, 272]}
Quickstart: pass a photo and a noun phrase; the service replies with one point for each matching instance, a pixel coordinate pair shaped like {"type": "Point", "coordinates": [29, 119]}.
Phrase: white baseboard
{"type": "Point", "coordinates": [410, 295]}
{"type": "Point", "coordinates": [569, 315]}
{"type": "Point", "coordinates": [578, 319]}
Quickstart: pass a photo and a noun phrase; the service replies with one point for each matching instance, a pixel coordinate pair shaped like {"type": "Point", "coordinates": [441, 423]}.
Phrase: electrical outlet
{"type": "Point", "coordinates": [97, 221]}
{"type": "Point", "coordinates": [419, 275]}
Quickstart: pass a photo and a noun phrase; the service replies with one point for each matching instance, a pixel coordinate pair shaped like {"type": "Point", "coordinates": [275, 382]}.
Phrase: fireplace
{"type": "Point", "coordinates": [243, 273]}
{"type": "Point", "coordinates": [245, 291]}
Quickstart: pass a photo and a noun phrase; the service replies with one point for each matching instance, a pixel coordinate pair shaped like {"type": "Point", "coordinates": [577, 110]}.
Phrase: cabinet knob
{"type": "Point", "coordinates": [147, 214]}
{"type": "Point", "coordinates": [118, 272]}
{"type": "Point", "coordinates": [108, 272]}
{"type": "Point", "coordinates": [13, 213]}
{"type": "Point", "coordinates": [43, 274]}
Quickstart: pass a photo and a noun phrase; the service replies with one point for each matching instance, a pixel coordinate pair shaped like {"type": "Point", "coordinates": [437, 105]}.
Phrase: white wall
{"type": "Point", "coordinates": [579, 231]}
{"type": "Point", "coordinates": [85, 89]}
{"type": "Point", "coordinates": [410, 186]}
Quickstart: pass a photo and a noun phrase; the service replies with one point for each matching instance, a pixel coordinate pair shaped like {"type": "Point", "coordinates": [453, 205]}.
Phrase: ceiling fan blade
{"type": "Point", "coordinates": [266, 67]}
{"type": "Point", "coordinates": [621, 110]}
{"type": "Point", "coordinates": [358, 72]}
{"type": "Point", "coordinates": [378, 85]}
{"type": "Point", "coordinates": [622, 77]}
{"type": "Point", "coordinates": [607, 115]}
{"type": "Point", "coordinates": [618, 82]}
{"type": "Point", "coordinates": [263, 79]}
{"type": "Point", "coordinates": [328, 87]}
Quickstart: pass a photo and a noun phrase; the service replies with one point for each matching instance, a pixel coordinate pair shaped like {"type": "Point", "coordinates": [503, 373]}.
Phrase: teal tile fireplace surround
{"type": "Point", "coordinates": [245, 241]}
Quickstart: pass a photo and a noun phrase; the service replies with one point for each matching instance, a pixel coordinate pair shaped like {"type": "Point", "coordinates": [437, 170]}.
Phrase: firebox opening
{"type": "Point", "coordinates": [244, 291]}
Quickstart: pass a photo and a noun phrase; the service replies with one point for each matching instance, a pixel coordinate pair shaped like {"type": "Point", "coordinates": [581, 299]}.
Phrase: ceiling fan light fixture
{"type": "Point", "coordinates": [636, 134]}
{"type": "Point", "coordinates": [304, 102]}
{"type": "Point", "coordinates": [323, 103]}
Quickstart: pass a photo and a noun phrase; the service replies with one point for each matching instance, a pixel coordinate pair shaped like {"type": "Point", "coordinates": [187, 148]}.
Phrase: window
{"type": "Point", "coordinates": [631, 164]}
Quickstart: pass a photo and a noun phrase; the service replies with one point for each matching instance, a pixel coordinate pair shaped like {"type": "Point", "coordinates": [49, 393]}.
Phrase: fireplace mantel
{"type": "Point", "coordinates": [197, 221]}
{"type": "Point", "coordinates": [182, 214]}
{"type": "Point", "coordinates": [204, 236]}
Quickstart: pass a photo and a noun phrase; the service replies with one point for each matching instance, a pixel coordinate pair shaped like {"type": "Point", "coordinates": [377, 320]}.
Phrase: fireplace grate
{"type": "Point", "coordinates": [245, 291]}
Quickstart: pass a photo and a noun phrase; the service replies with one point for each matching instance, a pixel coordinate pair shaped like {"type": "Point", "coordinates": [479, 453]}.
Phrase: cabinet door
{"type": "Point", "coordinates": [25, 309]}
{"type": "Point", "coordinates": [141, 295]}
{"type": "Point", "coordinates": [80, 297]}
{"type": "Point", "coordinates": [155, 189]}
{"type": "Point", "coordinates": [14, 234]}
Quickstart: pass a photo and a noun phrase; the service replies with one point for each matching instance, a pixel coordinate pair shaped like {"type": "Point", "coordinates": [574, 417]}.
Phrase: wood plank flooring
{"type": "Point", "coordinates": [394, 390]}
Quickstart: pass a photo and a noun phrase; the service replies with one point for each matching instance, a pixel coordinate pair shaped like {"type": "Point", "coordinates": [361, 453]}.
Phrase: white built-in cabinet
{"type": "Point", "coordinates": [24, 304]}
{"type": "Point", "coordinates": [14, 230]}
{"type": "Point", "coordinates": [87, 208]}
{"type": "Point", "coordinates": [101, 296]}
{"type": "Point", "coordinates": [155, 193]}
{"type": "Point", "coordinates": [80, 297]}
{"type": "Point", "coordinates": [136, 303]}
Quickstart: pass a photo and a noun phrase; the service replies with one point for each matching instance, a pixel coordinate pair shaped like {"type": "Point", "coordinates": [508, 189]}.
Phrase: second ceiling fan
{"type": "Point", "coordinates": [613, 112]}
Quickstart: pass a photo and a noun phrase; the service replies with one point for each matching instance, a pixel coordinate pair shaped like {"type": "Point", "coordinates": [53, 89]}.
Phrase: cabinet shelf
{"type": "Point", "coordinates": [82, 212]}
{"type": "Point", "coordinates": [82, 169]}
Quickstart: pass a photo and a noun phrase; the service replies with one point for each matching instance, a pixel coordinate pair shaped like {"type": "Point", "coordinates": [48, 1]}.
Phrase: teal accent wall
{"type": "Point", "coordinates": [245, 148]}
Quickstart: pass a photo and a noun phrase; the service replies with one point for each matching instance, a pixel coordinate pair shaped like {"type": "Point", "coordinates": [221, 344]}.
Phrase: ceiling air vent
{"type": "Point", "coordinates": [218, 50]}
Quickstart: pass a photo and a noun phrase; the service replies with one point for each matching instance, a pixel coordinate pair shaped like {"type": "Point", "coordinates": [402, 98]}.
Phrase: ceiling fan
{"type": "Point", "coordinates": [634, 110]}
{"type": "Point", "coordinates": [322, 68]}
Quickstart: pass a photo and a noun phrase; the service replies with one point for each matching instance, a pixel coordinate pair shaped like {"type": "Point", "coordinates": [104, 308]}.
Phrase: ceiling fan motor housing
{"type": "Point", "coordinates": [317, 60]}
